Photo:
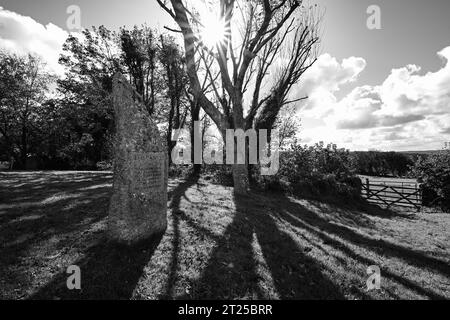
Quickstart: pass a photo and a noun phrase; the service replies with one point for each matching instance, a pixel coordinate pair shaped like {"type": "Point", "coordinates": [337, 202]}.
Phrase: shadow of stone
{"type": "Point", "coordinates": [108, 271]}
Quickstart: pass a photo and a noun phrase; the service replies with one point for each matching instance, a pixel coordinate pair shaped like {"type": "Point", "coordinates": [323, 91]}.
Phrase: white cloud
{"type": "Point", "coordinates": [408, 110]}
{"type": "Point", "coordinates": [23, 34]}
{"type": "Point", "coordinates": [325, 78]}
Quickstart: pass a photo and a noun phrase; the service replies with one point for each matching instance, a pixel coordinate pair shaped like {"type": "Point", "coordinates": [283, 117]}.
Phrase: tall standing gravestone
{"type": "Point", "coordinates": [138, 206]}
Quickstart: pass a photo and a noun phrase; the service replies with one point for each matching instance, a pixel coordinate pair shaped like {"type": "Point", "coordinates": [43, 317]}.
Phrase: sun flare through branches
{"type": "Point", "coordinates": [213, 30]}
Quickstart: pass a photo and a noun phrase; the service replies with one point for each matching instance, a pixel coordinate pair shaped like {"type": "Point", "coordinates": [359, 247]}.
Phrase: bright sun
{"type": "Point", "coordinates": [213, 30]}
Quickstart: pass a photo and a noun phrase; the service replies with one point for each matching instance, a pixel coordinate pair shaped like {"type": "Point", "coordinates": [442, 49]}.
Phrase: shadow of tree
{"type": "Point", "coordinates": [64, 208]}
{"type": "Point", "coordinates": [254, 256]}
{"type": "Point", "coordinates": [330, 205]}
{"type": "Point", "coordinates": [176, 195]}
{"type": "Point", "coordinates": [340, 237]}
{"type": "Point", "coordinates": [234, 269]}
{"type": "Point", "coordinates": [30, 186]}
{"type": "Point", "coordinates": [310, 220]}
{"type": "Point", "coordinates": [108, 271]}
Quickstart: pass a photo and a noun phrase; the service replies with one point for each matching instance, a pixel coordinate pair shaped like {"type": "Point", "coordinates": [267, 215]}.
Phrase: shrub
{"type": "Point", "coordinates": [104, 165]}
{"type": "Point", "coordinates": [434, 174]}
{"type": "Point", "coordinates": [218, 173]}
{"type": "Point", "coordinates": [314, 171]}
{"type": "Point", "coordinates": [4, 165]}
{"type": "Point", "coordinates": [268, 183]}
{"type": "Point", "coordinates": [315, 162]}
{"type": "Point", "coordinates": [376, 163]}
{"type": "Point", "coordinates": [179, 170]}
{"type": "Point", "coordinates": [328, 186]}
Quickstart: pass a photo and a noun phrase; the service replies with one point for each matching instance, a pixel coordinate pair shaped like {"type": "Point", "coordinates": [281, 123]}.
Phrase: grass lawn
{"type": "Point", "coordinates": [216, 245]}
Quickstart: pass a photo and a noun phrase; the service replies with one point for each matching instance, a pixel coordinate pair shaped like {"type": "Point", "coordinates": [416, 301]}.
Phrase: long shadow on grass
{"type": "Point", "coordinates": [176, 195]}
{"type": "Point", "coordinates": [254, 253]}
{"type": "Point", "coordinates": [108, 271]}
{"type": "Point", "coordinates": [18, 187]}
{"type": "Point", "coordinates": [340, 237]}
{"type": "Point", "coordinates": [50, 221]}
{"type": "Point", "coordinates": [62, 207]}
{"type": "Point", "coordinates": [234, 271]}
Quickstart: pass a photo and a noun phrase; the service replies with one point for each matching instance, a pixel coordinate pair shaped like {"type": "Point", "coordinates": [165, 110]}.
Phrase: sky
{"type": "Point", "coordinates": [384, 89]}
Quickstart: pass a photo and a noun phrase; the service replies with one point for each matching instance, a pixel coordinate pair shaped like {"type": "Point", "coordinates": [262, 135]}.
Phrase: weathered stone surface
{"type": "Point", "coordinates": [138, 206]}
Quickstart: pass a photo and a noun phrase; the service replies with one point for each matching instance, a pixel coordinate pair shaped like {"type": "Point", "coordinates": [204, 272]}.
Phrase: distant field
{"type": "Point", "coordinates": [389, 180]}
{"type": "Point", "coordinates": [425, 152]}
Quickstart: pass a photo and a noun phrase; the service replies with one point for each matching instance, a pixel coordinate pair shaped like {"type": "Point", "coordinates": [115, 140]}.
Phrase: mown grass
{"type": "Point", "coordinates": [217, 245]}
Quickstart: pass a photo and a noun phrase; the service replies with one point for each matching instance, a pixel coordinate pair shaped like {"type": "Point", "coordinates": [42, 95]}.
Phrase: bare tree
{"type": "Point", "coordinates": [255, 32]}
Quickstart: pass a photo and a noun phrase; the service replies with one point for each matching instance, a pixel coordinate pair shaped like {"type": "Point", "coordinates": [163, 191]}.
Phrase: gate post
{"type": "Point", "coordinates": [367, 187]}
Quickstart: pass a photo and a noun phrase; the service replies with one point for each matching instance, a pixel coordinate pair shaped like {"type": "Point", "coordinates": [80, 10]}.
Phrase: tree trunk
{"type": "Point", "coordinates": [240, 178]}
{"type": "Point", "coordinates": [11, 163]}
{"type": "Point", "coordinates": [170, 144]}
{"type": "Point", "coordinates": [197, 167]}
{"type": "Point", "coordinates": [195, 114]}
{"type": "Point", "coordinates": [240, 171]}
{"type": "Point", "coordinates": [23, 147]}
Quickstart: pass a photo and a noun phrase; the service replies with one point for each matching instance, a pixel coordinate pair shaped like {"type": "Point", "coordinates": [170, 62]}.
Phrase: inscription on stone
{"type": "Point", "coordinates": [148, 170]}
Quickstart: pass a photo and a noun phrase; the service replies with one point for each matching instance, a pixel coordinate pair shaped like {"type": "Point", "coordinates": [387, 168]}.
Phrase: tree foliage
{"type": "Point", "coordinates": [315, 171]}
{"type": "Point", "coordinates": [433, 172]}
{"type": "Point", "coordinates": [67, 122]}
{"type": "Point", "coordinates": [24, 87]}
{"type": "Point", "coordinates": [382, 164]}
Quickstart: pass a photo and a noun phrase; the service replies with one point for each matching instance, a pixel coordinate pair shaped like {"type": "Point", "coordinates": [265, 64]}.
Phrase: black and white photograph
{"type": "Point", "coordinates": [203, 152]}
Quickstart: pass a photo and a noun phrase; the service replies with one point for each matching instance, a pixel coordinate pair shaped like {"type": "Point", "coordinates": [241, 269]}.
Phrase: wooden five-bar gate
{"type": "Point", "coordinates": [390, 193]}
